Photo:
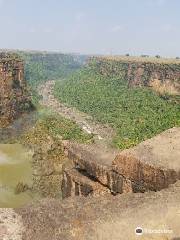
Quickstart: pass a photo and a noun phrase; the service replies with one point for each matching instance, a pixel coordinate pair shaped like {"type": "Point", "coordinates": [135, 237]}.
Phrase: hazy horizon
{"type": "Point", "coordinates": [92, 27]}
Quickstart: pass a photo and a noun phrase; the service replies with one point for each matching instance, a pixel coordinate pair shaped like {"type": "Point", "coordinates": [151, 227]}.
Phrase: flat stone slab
{"type": "Point", "coordinates": [97, 163]}
{"type": "Point", "coordinates": [151, 165]}
{"type": "Point", "coordinates": [154, 163]}
{"type": "Point", "coordinates": [90, 153]}
{"type": "Point", "coordinates": [105, 217]}
{"type": "Point", "coordinates": [94, 160]}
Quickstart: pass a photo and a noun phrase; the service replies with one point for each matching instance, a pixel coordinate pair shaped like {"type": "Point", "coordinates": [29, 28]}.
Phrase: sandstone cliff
{"type": "Point", "coordinates": [151, 165]}
{"type": "Point", "coordinates": [14, 98]}
{"type": "Point", "coordinates": [163, 75]}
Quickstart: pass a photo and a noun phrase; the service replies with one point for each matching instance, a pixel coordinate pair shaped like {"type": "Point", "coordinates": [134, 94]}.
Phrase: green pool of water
{"type": "Point", "coordinates": [15, 167]}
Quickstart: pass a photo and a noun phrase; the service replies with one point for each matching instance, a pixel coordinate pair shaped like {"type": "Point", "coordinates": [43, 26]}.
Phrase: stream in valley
{"type": "Point", "coordinates": [15, 163]}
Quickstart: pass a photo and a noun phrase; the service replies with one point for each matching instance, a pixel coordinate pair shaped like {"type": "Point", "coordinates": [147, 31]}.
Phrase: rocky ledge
{"type": "Point", "coordinates": [104, 217]}
{"type": "Point", "coordinates": [152, 165]}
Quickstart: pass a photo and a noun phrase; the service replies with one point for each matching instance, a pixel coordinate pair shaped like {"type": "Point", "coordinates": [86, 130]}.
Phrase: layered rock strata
{"type": "Point", "coordinates": [14, 98]}
{"type": "Point", "coordinates": [105, 217]}
{"type": "Point", "coordinates": [76, 183]}
{"type": "Point", "coordinates": [163, 75]}
{"type": "Point", "coordinates": [152, 165]}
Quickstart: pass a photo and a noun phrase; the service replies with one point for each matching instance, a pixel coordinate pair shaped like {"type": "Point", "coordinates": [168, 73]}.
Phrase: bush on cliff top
{"type": "Point", "coordinates": [135, 113]}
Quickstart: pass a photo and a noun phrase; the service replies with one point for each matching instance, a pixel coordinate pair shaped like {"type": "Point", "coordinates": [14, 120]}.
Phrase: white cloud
{"type": "Point", "coordinates": [117, 28]}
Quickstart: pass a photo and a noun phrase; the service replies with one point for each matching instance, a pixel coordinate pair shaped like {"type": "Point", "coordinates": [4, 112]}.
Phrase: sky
{"type": "Point", "coordinates": [92, 26]}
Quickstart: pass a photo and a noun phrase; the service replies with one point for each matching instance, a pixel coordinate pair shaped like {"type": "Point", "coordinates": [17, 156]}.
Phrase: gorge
{"type": "Point", "coordinates": [104, 147]}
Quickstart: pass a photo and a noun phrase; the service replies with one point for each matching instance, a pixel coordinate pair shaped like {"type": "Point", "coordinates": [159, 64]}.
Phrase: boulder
{"type": "Point", "coordinates": [96, 162]}
{"type": "Point", "coordinates": [154, 163]}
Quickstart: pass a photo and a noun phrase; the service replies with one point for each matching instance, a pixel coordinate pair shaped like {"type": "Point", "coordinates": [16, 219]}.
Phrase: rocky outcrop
{"type": "Point", "coordinates": [163, 75]}
{"type": "Point", "coordinates": [105, 217]}
{"type": "Point", "coordinates": [95, 163]}
{"type": "Point", "coordinates": [152, 165]}
{"type": "Point", "coordinates": [96, 218]}
{"type": "Point", "coordinates": [14, 98]}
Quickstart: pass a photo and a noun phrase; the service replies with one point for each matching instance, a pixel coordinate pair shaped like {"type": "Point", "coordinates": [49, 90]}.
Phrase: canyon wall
{"type": "Point", "coordinates": [14, 98]}
{"type": "Point", "coordinates": [163, 75]}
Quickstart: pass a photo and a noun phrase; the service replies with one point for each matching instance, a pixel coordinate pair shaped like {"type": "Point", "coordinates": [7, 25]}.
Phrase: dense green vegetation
{"type": "Point", "coordinates": [50, 124]}
{"type": "Point", "coordinates": [40, 67]}
{"type": "Point", "coordinates": [135, 113]}
{"type": "Point", "coordinates": [43, 66]}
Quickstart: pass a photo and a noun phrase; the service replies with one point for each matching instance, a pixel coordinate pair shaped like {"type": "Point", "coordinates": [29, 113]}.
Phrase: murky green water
{"type": "Point", "coordinates": [15, 167]}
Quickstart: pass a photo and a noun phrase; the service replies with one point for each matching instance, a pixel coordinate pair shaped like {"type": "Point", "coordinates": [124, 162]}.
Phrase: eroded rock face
{"type": "Point", "coordinates": [152, 165]}
{"type": "Point", "coordinates": [96, 164]}
{"type": "Point", "coordinates": [105, 217]}
{"type": "Point", "coordinates": [163, 75]}
{"type": "Point", "coordinates": [76, 183]}
{"type": "Point", "coordinates": [14, 98]}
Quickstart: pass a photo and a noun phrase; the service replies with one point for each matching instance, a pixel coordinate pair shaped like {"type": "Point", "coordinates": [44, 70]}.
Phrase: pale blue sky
{"type": "Point", "coordinates": [92, 26]}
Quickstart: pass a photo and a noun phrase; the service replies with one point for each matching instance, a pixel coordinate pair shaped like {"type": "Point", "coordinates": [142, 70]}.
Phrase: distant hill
{"type": "Point", "coordinates": [40, 67]}
{"type": "Point", "coordinates": [136, 112]}
{"type": "Point", "coordinates": [43, 66]}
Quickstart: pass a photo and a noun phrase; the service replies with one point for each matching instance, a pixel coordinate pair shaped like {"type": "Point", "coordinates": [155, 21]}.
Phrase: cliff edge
{"type": "Point", "coordinates": [14, 98]}
{"type": "Point", "coordinates": [162, 75]}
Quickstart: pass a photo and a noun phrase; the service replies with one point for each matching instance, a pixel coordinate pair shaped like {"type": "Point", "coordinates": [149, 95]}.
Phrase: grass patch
{"type": "Point", "coordinates": [53, 125]}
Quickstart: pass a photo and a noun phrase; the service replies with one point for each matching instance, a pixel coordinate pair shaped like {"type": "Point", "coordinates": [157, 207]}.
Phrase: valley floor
{"type": "Point", "coordinates": [102, 133]}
